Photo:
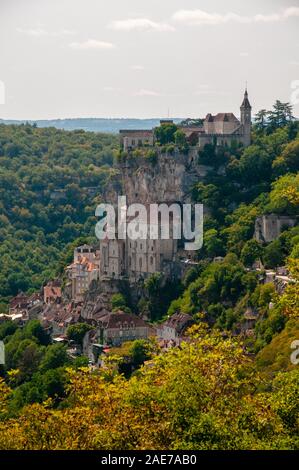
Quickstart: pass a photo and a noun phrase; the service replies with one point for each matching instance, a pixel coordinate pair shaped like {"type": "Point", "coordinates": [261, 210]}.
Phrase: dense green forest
{"type": "Point", "coordinates": [50, 182]}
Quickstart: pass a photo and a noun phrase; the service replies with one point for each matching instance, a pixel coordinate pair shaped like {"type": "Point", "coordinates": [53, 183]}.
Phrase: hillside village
{"type": "Point", "coordinates": [98, 272]}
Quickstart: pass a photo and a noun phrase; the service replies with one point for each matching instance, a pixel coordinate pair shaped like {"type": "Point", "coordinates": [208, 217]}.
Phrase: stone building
{"type": "Point", "coordinates": [221, 129]}
{"type": "Point", "coordinates": [115, 328]}
{"type": "Point", "coordinates": [84, 269]}
{"type": "Point", "coordinates": [172, 330]}
{"type": "Point", "coordinates": [131, 139]}
{"type": "Point", "coordinates": [268, 227]}
{"type": "Point", "coordinates": [167, 182]}
{"type": "Point", "coordinates": [52, 292]}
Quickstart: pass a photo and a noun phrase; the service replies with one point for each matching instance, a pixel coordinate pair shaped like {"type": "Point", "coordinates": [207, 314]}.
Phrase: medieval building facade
{"type": "Point", "coordinates": [221, 129]}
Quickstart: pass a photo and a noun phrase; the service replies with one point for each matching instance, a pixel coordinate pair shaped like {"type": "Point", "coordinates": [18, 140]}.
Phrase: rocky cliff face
{"type": "Point", "coordinates": [167, 180]}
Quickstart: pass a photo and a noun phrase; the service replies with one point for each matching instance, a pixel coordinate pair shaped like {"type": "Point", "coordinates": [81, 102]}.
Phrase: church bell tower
{"type": "Point", "coordinates": [246, 119]}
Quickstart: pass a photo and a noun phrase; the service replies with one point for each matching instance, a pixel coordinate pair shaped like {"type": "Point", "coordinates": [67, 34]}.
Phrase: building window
{"type": "Point", "coordinates": [151, 260]}
{"type": "Point", "coordinates": [140, 263]}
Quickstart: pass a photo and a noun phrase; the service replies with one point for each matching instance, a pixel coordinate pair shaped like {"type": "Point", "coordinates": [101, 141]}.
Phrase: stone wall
{"type": "Point", "coordinates": [169, 180]}
{"type": "Point", "coordinates": [269, 227]}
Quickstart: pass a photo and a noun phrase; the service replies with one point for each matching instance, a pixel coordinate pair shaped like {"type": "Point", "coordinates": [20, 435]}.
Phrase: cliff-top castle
{"type": "Point", "coordinates": [168, 181]}
{"type": "Point", "coordinates": [221, 129]}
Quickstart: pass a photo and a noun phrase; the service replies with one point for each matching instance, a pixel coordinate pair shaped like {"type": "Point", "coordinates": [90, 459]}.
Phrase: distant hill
{"type": "Point", "coordinates": [93, 124]}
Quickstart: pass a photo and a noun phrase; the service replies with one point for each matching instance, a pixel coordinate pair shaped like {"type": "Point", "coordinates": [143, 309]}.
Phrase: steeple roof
{"type": "Point", "coordinates": [245, 103]}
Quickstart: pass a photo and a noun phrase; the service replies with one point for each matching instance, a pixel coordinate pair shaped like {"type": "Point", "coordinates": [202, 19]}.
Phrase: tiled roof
{"type": "Point", "coordinates": [137, 133]}
{"type": "Point", "coordinates": [121, 319]}
{"type": "Point", "coordinates": [227, 117]}
{"type": "Point", "coordinates": [178, 321]}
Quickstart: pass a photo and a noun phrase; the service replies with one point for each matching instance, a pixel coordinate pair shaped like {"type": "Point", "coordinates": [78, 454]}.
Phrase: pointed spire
{"type": "Point", "coordinates": [245, 103]}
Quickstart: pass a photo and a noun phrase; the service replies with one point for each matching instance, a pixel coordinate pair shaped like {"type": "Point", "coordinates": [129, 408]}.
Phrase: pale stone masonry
{"type": "Point", "coordinates": [84, 270]}
{"type": "Point", "coordinates": [167, 180]}
{"type": "Point", "coordinates": [268, 227]}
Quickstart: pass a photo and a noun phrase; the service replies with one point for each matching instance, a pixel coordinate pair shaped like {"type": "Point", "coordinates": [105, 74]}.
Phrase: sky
{"type": "Point", "coordinates": [145, 58]}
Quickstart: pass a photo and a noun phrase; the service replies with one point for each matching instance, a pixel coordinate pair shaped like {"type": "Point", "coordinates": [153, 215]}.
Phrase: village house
{"type": "Point", "coordinates": [131, 139]}
{"type": "Point", "coordinates": [24, 307]}
{"type": "Point", "coordinates": [56, 318]}
{"type": "Point", "coordinates": [84, 269]}
{"type": "Point", "coordinates": [171, 331]}
{"type": "Point", "coordinates": [18, 303]}
{"type": "Point", "coordinates": [52, 292]}
{"type": "Point", "coordinates": [115, 328]}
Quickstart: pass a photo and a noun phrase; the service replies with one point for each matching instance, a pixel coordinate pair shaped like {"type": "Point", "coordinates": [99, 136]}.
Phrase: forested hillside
{"type": "Point", "coordinates": [262, 179]}
{"type": "Point", "coordinates": [50, 181]}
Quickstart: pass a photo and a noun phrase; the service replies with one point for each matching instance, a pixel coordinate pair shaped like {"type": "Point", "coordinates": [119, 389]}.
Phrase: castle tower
{"type": "Point", "coordinates": [246, 119]}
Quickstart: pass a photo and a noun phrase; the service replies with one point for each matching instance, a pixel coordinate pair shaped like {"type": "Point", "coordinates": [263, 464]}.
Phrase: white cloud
{"type": "Point", "coordinates": [244, 54]}
{"type": "Point", "coordinates": [291, 11]}
{"type": "Point", "coordinates": [91, 44]}
{"type": "Point", "coordinates": [144, 92]}
{"type": "Point", "coordinates": [140, 24]}
{"type": "Point", "coordinates": [137, 67]}
{"type": "Point", "coordinates": [268, 18]}
{"type": "Point", "coordinates": [39, 32]}
{"type": "Point", "coordinates": [200, 17]}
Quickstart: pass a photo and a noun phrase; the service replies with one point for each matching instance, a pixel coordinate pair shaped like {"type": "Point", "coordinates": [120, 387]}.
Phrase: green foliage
{"type": "Point", "coordinates": [55, 356]}
{"type": "Point", "coordinates": [202, 396]}
{"type": "Point", "coordinates": [267, 327]}
{"type": "Point", "coordinates": [158, 295]}
{"type": "Point", "coordinates": [118, 302]}
{"type": "Point", "coordinates": [218, 288]}
{"type": "Point", "coordinates": [7, 328]}
{"type": "Point", "coordinates": [77, 332]}
{"type": "Point", "coordinates": [289, 159]}
{"type": "Point", "coordinates": [165, 134]}
{"type": "Point", "coordinates": [284, 197]}
{"type": "Point", "coordinates": [35, 329]}
{"type": "Point", "coordinates": [180, 138]}
{"type": "Point", "coordinates": [275, 357]}
{"type": "Point", "coordinates": [213, 244]}
{"type": "Point", "coordinates": [251, 252]}
{"type": "Point", "coordinates": [273, 254]}
{"type": "Point", "coordinates": [45, 202]}
{"type": "Point", "coordinates": [269, 121]}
